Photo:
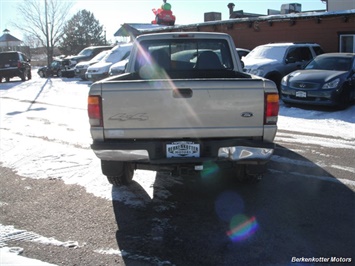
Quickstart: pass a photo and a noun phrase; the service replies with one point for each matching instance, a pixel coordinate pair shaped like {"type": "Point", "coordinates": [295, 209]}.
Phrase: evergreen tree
{"type": "Point", "coordinates": [81, 31]}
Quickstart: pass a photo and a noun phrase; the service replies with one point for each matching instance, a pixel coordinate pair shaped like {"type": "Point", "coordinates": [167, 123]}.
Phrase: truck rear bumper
{"type": "Point", "coordinates": [243, 151]}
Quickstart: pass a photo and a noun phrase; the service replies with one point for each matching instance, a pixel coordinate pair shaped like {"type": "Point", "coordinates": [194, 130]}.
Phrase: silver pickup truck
{"type": "Point", "coordinates": [183, 104]}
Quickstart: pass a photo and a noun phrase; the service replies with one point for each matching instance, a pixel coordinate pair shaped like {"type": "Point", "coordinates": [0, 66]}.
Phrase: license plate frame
{"type": "Point", "coordinates": [301, 94]}
{"type": "Point", "coordinates": [183, 149]}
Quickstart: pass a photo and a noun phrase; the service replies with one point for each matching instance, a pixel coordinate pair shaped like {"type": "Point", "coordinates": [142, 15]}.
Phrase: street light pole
{"type": "Point", "coordinates": [105, 35]}
{"type": "Point", "coordinates": [47, 35]}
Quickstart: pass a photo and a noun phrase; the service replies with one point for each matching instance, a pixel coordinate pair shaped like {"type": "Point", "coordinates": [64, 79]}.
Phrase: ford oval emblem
{"type": "Point", "coordinates": [247, 114]}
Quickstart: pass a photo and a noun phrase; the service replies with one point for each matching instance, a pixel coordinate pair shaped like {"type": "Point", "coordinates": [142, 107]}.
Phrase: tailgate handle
{"type": "Point", "coordinates": [182, 93]}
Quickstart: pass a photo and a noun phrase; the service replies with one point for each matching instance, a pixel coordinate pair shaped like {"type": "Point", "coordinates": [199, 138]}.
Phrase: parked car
{"type": "Point", "coordinates": [275, 60]}
{"type": "Point", "coordinates": [118, 68]}
{"type": "Point", "coordinates": [88, 53]}
{"type": "Point", "coordinates": [14, 64]}
{"type": "Point", "coordinates": [58, 67]}
{"type": "Point", "coordinates": [242, 52]}
{"type": "Point", "coordinates": [100, 70]}
{"type": "Point", "coordinates": [327, 80]}
{"type": "Point", "coordinates": [81, 67]}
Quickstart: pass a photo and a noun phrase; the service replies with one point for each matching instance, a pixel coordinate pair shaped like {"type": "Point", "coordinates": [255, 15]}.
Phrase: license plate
{"type": "Point", "coordinates": [182, 149]}
{"type": "Point", "coordinates": [7, 65]}
{"type": "Point", "coordinates": [89, 76]}
{"type": "Point", "coordinates": [301, 94]}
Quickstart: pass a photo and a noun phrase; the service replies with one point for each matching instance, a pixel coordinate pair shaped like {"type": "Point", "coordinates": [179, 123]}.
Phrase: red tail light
{"type": "Point", "coordinates": [19, 65]}
{"type": "Point", "coordinates": [94, 111]}
{"type": "Point", "coordinates": [271, 108]}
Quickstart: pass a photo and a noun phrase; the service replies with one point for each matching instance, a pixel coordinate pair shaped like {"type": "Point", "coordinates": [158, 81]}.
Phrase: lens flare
{"type": "Point", "coordinates": [209, 169]}
{"type": "Point", "coordinates": [242, 228]}
{"type": "Point", "coordinates": [228, 205]}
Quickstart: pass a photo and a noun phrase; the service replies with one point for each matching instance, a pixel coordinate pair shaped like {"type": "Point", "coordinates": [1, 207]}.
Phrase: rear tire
{"type": "Point", "coordinates": [118, 173]}
{"type": "Point", "coordinates": [23, 77]}
{"type": "Point", "coordinates": [240, 174]}
{"type": "Point", "coordinates": [41, 74]}
{"type": "Point", "coordinates": [243, 173]}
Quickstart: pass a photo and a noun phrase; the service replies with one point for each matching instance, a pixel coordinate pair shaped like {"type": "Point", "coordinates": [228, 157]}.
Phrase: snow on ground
{"type": "Point", "coordinates": [44, 132]}
{"type": "Point", "coordinates": [338, 124]}
{"type": "Point", "coordinates": [10, 256]}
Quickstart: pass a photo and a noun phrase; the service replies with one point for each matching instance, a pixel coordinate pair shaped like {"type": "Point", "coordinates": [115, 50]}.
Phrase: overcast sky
{"type": "Point", "coordinates": [113, 13]}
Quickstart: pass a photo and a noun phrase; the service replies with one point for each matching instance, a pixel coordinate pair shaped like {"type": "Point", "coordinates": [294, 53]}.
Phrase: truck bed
{"type": "Point", "coordinates": [193, 107]}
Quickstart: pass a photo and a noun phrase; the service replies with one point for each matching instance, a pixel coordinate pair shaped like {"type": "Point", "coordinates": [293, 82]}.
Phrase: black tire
{"type": "Point", "coordinates": [240, 174]}
{"type": "Point", "coordinates": [29, 75]}
{"type": "Point", "coordinates": [117, 173]}
{"type": "Point", "coordinates": [60, 73]}
{"type": "Point", "coordinates": [7, 79]}
{"type": "Point", "coordinates": [243, 175]}
{"type": "Point", "coordinates": [41, 74]}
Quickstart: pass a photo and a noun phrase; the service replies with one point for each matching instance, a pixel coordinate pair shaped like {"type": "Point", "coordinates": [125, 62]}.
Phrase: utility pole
{"type": "Point", "coordinates": [47, 35]}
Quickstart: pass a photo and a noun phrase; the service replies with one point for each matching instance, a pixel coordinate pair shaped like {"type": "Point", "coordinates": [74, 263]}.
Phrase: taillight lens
{"type": "Point", "coordinates": [271, 108]}
{"type": "Point", "coordinates": [19, 65]}
{"type": "Point", "coordinates": [94, 111]}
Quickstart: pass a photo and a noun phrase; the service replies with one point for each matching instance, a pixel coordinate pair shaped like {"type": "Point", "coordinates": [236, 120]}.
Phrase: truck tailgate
{"type": "Point", "coordinates": [183, 108]}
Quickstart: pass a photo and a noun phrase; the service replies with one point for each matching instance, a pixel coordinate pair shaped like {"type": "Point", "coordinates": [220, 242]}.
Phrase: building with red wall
{"type": "Point", "coordinates": [333, 30]}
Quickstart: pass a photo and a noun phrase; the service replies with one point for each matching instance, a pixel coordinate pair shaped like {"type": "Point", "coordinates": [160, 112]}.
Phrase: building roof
{"type": "Point", "coordinates": [136, 29]}
{"type": "Point", "coordinates": [8, 40]}
{"type": "Point", "coordinates": [129, 29]}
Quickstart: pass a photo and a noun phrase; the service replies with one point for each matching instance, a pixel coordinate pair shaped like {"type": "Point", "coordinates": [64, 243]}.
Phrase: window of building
{"type": "Point", "coordinates": [347, 43]}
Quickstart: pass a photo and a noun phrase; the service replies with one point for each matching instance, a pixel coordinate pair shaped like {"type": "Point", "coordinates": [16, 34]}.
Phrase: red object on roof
{"type": "Point", "coordinates": [163, 17]}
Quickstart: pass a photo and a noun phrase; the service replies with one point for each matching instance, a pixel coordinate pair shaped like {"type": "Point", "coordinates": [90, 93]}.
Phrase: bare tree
{"type": "Point", "coordinates": [31, 41]}
{"type": "Point", "coordinates": [44, 19]}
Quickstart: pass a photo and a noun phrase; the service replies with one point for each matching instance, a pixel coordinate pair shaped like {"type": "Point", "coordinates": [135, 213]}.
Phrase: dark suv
{"type": "Point", "coordinates": [14, 64]}
{"type": "Point", "coordinates": [275, 60]}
